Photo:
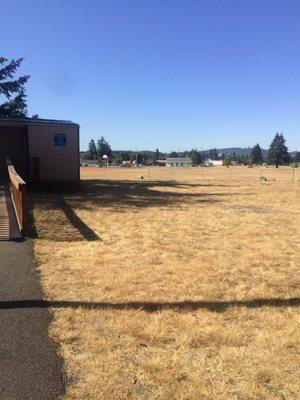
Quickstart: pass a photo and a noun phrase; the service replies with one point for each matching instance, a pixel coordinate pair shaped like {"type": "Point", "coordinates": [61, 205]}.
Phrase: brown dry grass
{"type": "Point", "coordinates": [174, 287]}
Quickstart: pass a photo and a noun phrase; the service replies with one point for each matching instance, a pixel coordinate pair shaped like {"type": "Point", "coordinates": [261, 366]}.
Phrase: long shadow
{"type": "Point", "coordinates": [77, 223]}
{"type": "Point", "coordinates": [140, 194]}
{"type": "Point", "coordinates": [217, 306]}
{"type": "Point", "coordinates": [59, 203]}
{"type": "Point", "coordinates": [116, 195]}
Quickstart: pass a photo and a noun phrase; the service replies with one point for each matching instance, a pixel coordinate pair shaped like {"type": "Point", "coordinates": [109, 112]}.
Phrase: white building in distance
{"type": "Point", "coordinates": [178, 162]}
{"type": "Point", "coordinates": [213, 163]}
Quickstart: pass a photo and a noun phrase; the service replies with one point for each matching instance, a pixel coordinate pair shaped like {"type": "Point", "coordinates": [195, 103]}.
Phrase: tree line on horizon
{"type": "Point", "coordinates": [277, 154]}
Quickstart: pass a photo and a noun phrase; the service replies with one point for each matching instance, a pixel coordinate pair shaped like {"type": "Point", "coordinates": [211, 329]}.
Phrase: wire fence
{"type": "Point", "coordinates": [234, 173]}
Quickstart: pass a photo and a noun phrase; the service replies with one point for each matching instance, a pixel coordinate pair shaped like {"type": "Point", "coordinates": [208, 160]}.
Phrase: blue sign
{"type": "Point", "coordinates": [60, 140]}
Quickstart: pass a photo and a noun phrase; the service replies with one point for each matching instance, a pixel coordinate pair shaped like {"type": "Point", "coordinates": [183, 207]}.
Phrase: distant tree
{"type": "Point", "coordinates": [139, 158]}
{"type": "Point", "coordinates": [136, 157]}
{"type": "Point", "coordinates": [84, 155]}
{"type": "Point", "coordinates": [196, 157]}
{"type": "Point", "coordinates": [13, 89]}
{"type": "Point", "coordinates": [173, 154]}
{"type": "Point", "coordinates": [92, 152]}
{"type": "Point", "coordinates": [244, 159]}
{"type": "Point", "coordinates": [227, 161]}
{"type": "Point", "coordinates": [213, 154]}
{"type": "Point", "coordinates": [103, 148]}
{"type": "Point", "coordinates": [256, 155]}
{"type": "Point", "coordinates": [117, 158]}
{"type": "Point", "coordinates": [297, 157]}
{"type": "Point", "coordinates": [278, 152]}
{"type": "Point", "coordinates": [157, 155]}
{"type": "Point", "coordinates": [125, 155]}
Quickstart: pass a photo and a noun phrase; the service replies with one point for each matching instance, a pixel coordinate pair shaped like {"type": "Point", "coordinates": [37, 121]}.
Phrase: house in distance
{"type": "Point", "coordinates": [42, 150]}
{"type": "Point", "coordinates": [178, 162]}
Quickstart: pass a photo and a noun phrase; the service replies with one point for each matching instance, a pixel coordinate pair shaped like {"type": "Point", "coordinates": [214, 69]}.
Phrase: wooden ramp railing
{"type": "Point", "coordinates": [19, 195]}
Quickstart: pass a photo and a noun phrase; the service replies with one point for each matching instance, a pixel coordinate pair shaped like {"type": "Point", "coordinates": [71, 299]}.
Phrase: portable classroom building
{"type": "Point", "coordinates": [178, 162]}
{"type": "Point", "coordinates": [42, 150]}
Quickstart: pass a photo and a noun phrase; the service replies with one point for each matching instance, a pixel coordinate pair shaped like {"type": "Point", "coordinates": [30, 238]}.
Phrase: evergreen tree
{"type": "Point", "coordinates": [278, 152]}
{"type": "Point", "coordinates": [256, 155]}
{"type": "Point", "coordinates": [125, 155]}
{"type": "Point", "coordinates": [213, 154]}
{"type": "Point", "coordinates": [103, 148]}
{"type": "Point", "coordinates": [196, 157]}
{"type": "Point", "coordinates": [12, 89]}
{"type": "Point", "coordinates": [93, 155]}
{"type": "Point", "coordinates": [117, 158]}
{"type": "Point", "coordinates": [227, 161]}
{"type": "Point", "coordinates": [157, 154]}
{"type": "Point", "coordinates": [173, 154]}
{"type": "Point", "coordinates": [297, 157]}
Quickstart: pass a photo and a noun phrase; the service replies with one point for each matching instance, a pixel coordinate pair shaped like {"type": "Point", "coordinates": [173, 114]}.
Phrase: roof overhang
{"type": "Point", "coordinates": [22, 122]}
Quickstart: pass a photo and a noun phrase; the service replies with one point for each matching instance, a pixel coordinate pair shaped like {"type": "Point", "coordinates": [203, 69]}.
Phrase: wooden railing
{"type": "Point", "coordinates": [27, 168]}
{"type": "Point", "coordinates": [19, 195]}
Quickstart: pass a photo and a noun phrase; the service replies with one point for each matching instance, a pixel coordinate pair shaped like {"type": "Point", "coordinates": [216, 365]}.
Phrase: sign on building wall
{"type": "Point", "coordinates": [60, 139]}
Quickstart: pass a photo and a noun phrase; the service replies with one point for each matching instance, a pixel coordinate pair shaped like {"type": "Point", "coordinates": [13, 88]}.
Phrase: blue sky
{"type": "Point", "coordinates": [159, 73]}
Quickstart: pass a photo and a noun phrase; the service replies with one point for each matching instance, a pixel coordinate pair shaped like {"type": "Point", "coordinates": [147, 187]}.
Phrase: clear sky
{"type": "Point", "coordinates": [159, 73]}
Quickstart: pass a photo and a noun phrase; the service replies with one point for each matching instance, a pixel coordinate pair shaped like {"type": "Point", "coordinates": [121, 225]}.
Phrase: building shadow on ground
{"type": "Point", "coordinates": [122, 194]}
{"type": "Point", "coordinates": [217, 306]}
{"type": "Point", "coordinates": [60, 210]}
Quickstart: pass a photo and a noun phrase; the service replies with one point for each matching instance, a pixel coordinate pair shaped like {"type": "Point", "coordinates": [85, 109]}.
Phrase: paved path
{"type": "Point", "coordinates": [29, 365]}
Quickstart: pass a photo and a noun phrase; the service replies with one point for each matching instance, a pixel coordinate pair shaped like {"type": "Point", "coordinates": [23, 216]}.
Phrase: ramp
{"type": "Point", "coordinates": [9, 228]}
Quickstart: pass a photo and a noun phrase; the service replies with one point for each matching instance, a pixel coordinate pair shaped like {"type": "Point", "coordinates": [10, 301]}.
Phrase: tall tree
{"type": "Point", "coordinates": [278, 152]}
{"type": "Point", "coordinates": [173, 154]}
{"type": "Point", "coordinates": [92, 152]}
{"type": "Point", "coordinates": [157, 154]}
{"type": "Point", "coordinates": [213, 154]}
{"type": "Point", "coordinates": [12, 89]}
{"type": "Point", "coordinates": [256, 155]}
{"type": "Point", "coordinates": [103, 148]}
{"type": "Point", "coordinates": [227, 161]}
{"type": "Point", "coordinates": [196, 157]}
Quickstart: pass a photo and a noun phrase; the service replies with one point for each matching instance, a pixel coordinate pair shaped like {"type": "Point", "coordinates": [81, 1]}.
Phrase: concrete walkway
{"type": "Point", "coordinates": [29, 365]}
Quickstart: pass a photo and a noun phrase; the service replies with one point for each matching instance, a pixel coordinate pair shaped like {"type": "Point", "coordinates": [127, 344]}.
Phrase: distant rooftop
{"type": "Point", "coordinates": [178, 159]}
{"type": "Point", "coordinates": [26, 120]}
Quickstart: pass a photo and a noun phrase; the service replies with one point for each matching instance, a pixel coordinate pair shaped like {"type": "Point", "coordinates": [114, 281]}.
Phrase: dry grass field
{"type": "Point", "coordinates": [181, 285]}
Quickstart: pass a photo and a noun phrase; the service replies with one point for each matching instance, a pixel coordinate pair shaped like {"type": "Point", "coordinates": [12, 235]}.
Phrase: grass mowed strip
{"type": "Point", "coordinates": [173, 287]}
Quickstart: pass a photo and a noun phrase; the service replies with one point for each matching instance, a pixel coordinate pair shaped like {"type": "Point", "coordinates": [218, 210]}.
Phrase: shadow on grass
{"type": "Point", "coordinates": [57, 209]}
{"type": "Point", "coordinates": [217, 306]}
{"type": "Point", "coordinates": [120, 194]}
{"type": "Point", "coordinates": [76, 230]}
{"type": "Point", "coordinates": [77, 223]}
